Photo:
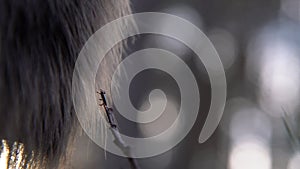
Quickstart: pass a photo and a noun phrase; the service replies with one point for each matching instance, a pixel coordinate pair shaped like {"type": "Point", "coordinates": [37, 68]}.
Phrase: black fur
{"type": "Point", "coordinates": [40, 41]}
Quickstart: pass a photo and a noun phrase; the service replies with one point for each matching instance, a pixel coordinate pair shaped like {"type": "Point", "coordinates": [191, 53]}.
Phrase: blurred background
{"type": "Point", "coordinates": [259, 45]}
